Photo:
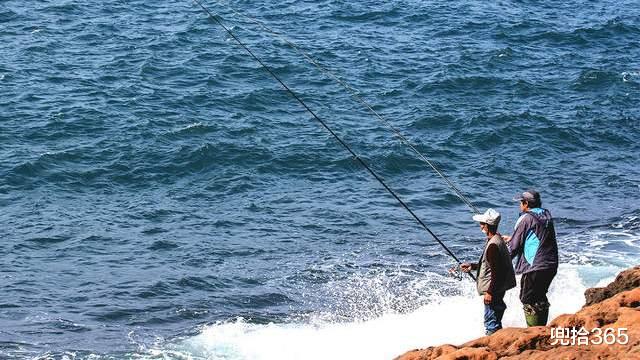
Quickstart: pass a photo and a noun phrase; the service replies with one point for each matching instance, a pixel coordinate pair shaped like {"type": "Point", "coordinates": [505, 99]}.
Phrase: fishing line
{"type": "Point", "coordinates": [356, 95]}
{"type": "Point", "coordinates": [324, 124]}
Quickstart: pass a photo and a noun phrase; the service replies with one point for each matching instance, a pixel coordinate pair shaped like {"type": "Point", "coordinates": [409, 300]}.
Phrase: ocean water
{"type": "Point", "coordinates": [162, 197]}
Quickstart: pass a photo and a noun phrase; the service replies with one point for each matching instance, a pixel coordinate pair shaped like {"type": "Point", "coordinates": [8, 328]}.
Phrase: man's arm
{"type": "Point", "coordinates": [517, 238]}
{"type": "Point", "coordinates": [466, 267]}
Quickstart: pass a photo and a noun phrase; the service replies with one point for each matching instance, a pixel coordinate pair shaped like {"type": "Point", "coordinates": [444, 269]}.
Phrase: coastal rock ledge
{"type": "Point", "coordinates": [615, 306]}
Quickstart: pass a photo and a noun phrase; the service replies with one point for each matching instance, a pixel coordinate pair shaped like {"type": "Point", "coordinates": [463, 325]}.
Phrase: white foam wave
{"type": "Point", "coordinates": [604, 247]}
{"type": "Point", "coordinates": [449, 319]}
{"type": "Point", "coordinates": [627, 75]}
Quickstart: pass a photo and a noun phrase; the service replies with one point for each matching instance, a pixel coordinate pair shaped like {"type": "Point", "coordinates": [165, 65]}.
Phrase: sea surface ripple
{"type": "Point", "coordinates": [154, 180]}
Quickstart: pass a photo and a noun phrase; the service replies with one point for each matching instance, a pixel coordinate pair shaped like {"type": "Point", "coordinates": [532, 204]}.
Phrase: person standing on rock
{"type": "Point", "coordinates": [534, 244]}
{"type": "Point", "coordinates": [494, 271]}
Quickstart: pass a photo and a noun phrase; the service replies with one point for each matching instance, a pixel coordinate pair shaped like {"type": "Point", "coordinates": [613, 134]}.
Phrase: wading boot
{"type": "Point", "coordinates": [536, 314]}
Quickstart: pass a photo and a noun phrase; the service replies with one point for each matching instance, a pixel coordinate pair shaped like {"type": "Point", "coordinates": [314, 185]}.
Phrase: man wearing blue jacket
{"type": "Point", "coordinates": [533, 243]}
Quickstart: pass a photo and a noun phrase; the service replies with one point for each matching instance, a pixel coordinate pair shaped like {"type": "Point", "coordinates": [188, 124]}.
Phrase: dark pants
{"type": "Point", "coordinates": [533, 294]}
{"type": "Point", "coordinates": [535, 285]}
{"type": "Point", "coordinates": [493, 313]}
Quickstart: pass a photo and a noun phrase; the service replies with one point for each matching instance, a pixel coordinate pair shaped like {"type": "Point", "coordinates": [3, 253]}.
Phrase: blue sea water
{"type": "Point", "coordinates": [162, 197]}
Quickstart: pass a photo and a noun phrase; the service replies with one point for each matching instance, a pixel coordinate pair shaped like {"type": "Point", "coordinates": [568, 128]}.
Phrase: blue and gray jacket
{"type": "Point", "coordinates": [534, 242]}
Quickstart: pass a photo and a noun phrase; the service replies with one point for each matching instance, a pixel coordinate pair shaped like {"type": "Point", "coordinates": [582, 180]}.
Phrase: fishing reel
{"type": "Point", "coordinates": [455, 272]}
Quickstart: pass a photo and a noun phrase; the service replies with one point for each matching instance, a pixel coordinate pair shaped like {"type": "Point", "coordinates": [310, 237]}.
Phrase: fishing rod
{"type": "Point", "coordinates": [356, 95]}
{"type": "Point", "coordinates": [324, 124]}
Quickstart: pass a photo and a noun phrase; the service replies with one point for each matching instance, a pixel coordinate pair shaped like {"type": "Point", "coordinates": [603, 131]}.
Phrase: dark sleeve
{"type": "Point", "coordinates": [517, 238]}
{"type": "Point", "coordinates": [493, 258]}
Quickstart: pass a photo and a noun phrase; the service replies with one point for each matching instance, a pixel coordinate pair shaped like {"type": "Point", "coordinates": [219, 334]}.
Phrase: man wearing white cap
{"type": "Point", "coordinates": [495, 273]}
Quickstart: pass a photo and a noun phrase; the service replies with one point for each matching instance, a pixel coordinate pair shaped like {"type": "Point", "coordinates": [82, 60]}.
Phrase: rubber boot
{"type": "Point", "coordinates": [536, 314]}
{"type": "Point", "coordinates": [530, 315]}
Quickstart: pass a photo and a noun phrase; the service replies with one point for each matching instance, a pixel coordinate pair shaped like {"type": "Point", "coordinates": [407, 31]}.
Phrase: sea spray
{"type": "Point", "coordinates": [447, 319]}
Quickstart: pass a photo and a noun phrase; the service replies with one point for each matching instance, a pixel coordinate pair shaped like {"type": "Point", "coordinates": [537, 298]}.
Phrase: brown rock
{"type": "Point", "coordinates": [429, 353]}
{"type": "Point", "coordinates": [626, 280]}
{"type": "Point", "coordinates": [620, 311]}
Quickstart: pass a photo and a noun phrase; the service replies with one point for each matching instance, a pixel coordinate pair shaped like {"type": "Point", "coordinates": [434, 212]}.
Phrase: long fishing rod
{"type": "Point", "coordinates": [324, 124]}
{"type": "Point", "coordinates": [356, 95]}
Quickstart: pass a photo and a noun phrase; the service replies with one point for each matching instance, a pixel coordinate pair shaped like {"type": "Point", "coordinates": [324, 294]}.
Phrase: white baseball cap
{"type": "Point", "coordinates": [490, 217]}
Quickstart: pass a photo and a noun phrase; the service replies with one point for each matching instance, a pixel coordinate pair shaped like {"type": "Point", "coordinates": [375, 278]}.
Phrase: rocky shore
{"type": "Point", "coordinates": [591, 333]}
